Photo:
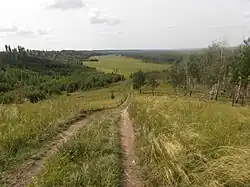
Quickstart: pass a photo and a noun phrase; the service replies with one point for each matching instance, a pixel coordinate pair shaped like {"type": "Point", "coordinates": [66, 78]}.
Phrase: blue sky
{"type": "Point", "coordinates": [122, 24]}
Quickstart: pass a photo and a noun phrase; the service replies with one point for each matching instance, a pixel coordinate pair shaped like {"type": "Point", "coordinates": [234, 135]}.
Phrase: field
{"type": "Point", "coordinates": [185, 142]}
{"type": "Point", "coordinates": [95, 130]}
{"type": "Point", "coordinates": [25, 128]}
{"type": "Point", "coordinates": [91, 158]}
{"type": "Point", "coordinates": [124, 65]}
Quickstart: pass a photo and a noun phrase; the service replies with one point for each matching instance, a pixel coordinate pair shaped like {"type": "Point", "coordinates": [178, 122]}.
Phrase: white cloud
{"type": "Point", "coordinates": [171, 26]}
{"type": "Point", "coordinates": [66, 4]}
{"type": "Point", "coordinates": [216, 26]}
{"type": "Point", "coordinates": [23, 31]}
{"type": "Point", "coordinates": [247, 15]}
{"type": "Point", "coordinates": [109, 32]}
{"type": "Point", "coordinates": [95, 17]}
{"type": "Point", "coordinates": [8, 29]}
{"type": "Point", "coordinates": [42, 31]}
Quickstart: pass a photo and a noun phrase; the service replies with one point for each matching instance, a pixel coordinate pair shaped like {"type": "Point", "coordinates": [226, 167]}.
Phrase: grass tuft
{"type": "Point", "coordinates": [186, 142]}
{"type": "Point", "coordinates": [25, 128]}
{"type": "Point", "coordinates": [92, 158]}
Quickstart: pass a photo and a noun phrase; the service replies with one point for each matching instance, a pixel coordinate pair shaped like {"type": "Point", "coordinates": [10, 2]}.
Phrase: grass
{"type": "Point", "coordinates": [124, 65]}
{"type": "Point", "coordinates": [91, 158]}
{"type": "Point", "coordinates": [185, 142]}
{"type": "Point", "coordinates": [26, 127]}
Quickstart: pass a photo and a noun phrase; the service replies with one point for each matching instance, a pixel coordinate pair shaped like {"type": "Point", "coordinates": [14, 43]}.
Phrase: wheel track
{"type": "Point", "coordinates": [131, 168]}
{"type": "Point", "coordinates": [30, 168]}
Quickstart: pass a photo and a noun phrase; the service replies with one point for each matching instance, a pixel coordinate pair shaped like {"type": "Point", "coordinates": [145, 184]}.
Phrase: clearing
{"type": "Point", "coordinates": [124, 65]}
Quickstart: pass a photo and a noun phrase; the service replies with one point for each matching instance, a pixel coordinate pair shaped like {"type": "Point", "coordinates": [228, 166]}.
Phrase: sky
{"type": "Point", "coordinates": [122, 24]}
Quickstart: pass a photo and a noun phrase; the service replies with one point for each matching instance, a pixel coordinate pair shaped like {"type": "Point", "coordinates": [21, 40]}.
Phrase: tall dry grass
{"type": "Point", "coordinates": [26, 127]}
{"type": "Point", "coordinates": [186, 142]}
{"type": "Point", "coordinates": [91, 158]}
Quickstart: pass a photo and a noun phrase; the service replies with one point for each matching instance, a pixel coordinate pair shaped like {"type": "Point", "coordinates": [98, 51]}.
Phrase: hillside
{"type": "Point", "coordinates": [27, 77]}
{"type": "Point", "coordinates": [168, 124]}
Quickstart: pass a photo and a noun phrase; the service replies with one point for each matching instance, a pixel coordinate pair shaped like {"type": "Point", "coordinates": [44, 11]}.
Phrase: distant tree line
{"type": "Point", "coordinates": [155, 56]}
{"type": "Point", "coordinates": [24, 77]}
{"type": "Point", "coordinates": [219, 70]}
{"type": "Point", "coordinates": [140, 79]}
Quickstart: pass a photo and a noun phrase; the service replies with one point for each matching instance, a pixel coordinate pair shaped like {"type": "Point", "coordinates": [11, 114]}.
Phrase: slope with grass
{"type": "Point", "coordinates": [25, 128]}
{"type": "Point", "coordinates": [186, 142]}
{"type": "Point", "coordinates": [124, 65]}
{"type": "Point", "coordinates": [91, 158]}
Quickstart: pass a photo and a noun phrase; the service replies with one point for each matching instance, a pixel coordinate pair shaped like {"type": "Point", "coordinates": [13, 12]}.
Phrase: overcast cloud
{"type": "Point", "coordinates": [23, 31]}
{"type": "Point", "coordinates": [66, 4]}
{"type": "Point", "coordinates": [95, 17]}
{"type": "Point", "coordinates": [123, 24]}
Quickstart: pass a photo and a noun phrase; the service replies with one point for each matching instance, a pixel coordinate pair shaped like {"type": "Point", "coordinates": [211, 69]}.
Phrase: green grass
{"type": "Point", "coordinates": [125, 65]}
{"type": "Point", "coordinates": [91, 158]}
{"type": "Point", "coordinates": [26, 127]}
{"type": "Point", "coordinates": [186, 142]}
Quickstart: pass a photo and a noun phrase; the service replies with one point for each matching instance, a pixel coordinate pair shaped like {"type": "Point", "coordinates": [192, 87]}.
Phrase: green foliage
{"type": "Point", "coordinates": [153, 83]}
{"type": "Point", "coordinates": [176, 75]}
{"type": "Point", "coordinates": [25, 128]}
{"type": "Point", "coordinates": [91, 158]}
{"type": "Point", "coordinates": [124, 65]}
{"type": "Point", "coordinates": [25, 77]}
{"type": "Point", "coordinates": [186, 142]}
{"type": "Point", "coordinates": [138, 79]}
{"type": "Point", "coordinates": [159, 57]}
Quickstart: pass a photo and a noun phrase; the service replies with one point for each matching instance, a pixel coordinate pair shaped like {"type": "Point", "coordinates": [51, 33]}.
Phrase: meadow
{"type": "Point", "coordinates": [91, 158]}
{"type": "Point", "coordinates": [124, 65]}
{"type": "Point", "coordinates": [181, 141]}
{"type": "Point", "coordinates": [25, 128]}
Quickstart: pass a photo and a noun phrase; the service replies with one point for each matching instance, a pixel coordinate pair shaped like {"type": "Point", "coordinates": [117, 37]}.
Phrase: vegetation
{"type": "Point", "coordinates": [26, 127]}
{"type": "Point", "coordinates": [156, 56]}
{"type": "Point", "coordinates": [124, 65]}
{"type": "Point", "coordinates": [138, 79]}
{"type": "Point", "coordinates": [224, 72]}
{"type": "Point", "coordinates": [92, 158]}
{"type": "Point", "coordinates": [23, 77]}
{"type": "Point", "coordinates": [186, 142]}
{"type": "Point", "coordinates": [180, 141]}
{"type": "Point", "coordinates": [154, 84]}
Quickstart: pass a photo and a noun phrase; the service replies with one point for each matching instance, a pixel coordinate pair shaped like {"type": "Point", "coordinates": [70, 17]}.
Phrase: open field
{"type": "Point", "coordinates": [124, 65]}
{"type": "Point", "coordinates": [185, 142]}
{"type": "Point", "coordinates": [26, 127]}
{"type": "Point", "coordinates": [91, 158]}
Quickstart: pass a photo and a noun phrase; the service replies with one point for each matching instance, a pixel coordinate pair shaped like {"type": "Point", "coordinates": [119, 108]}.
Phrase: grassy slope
{"type": "Point", "coordinates": [26, 127]}
{"type": "Point", "coordinates": [92, 158]}
{"type": "Point", "coordinates": [125, 65]}
{"type": "Point", "coordinates": [185, 142]}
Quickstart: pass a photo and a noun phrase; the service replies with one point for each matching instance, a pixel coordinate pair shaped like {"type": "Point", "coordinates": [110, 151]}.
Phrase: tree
{"type": "Point", "coordinates": [138, 79]}
{"type": "Point", "coordinates": [176, 75]}
{"type": "Point", "coordinates": [6, 48]}
{"type": "Point", "coordinates": [241, 71]}
{"type": "Point", "coordinates": [154, 84]}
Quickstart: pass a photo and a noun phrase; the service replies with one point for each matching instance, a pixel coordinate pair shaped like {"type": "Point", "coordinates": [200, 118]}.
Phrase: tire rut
{"type": "Point", "coordinates": [33, 166]}
{"type": "Point", "coordinates": [131, 168]}
{"type": "Point", "coordinates": [24, 174]}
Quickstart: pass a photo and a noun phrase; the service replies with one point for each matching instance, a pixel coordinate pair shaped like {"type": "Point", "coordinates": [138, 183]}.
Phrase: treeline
{"type": "Point", "coordinates": [156, 56]}
{"type": "Point", "coordinates": [225, 71]}
{"type": "Point", "coordinates": [24, 77]}
{"type": "Point", "coordinates": [69, 56]}
{"type": "Point", "coordinates": [219, 71]}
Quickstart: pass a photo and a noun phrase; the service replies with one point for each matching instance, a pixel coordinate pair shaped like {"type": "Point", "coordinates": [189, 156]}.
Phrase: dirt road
{"type": "Point", "coordinates": [131, 168]}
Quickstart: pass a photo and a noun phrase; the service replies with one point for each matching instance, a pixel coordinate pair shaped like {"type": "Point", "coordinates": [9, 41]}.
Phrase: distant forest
{"type": "Point", "coordinates": [36, 75]}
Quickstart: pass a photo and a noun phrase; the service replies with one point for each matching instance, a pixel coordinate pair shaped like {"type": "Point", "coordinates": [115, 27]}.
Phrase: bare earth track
{"type": "Point", "coordinates": [23, 176]}
{"type": "Point", "coordinates": [30, 168]}
{"type": "Point", "coordinates": [131, 170]}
